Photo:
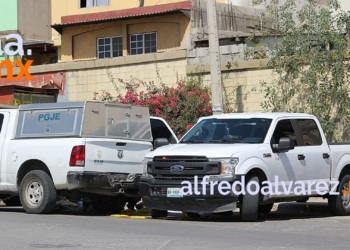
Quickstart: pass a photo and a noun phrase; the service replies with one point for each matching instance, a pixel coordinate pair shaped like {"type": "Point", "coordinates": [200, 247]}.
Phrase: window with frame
{"type": "Point", "coordinates": [160, 130]}
{"type": "Point", "coordinates": [284, 128]}
{"type": "Point", "coordinates": [93, 3]}
{"type": "Point", "coordinates": [109, 47]}
{"type": "Point", "coordinates": [309, 132]}
{"type": "Point", "coordinates": [143, 43]}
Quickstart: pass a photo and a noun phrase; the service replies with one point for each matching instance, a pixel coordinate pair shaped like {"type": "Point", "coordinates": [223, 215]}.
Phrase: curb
{"type": "Point", "coordinates": [124, 216]}
{"type": "Point", "coordinates": [147, 217]}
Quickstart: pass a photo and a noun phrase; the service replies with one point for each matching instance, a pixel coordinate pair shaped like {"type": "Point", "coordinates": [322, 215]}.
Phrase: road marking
{"type": "Point", "coordinates": [124, 216]}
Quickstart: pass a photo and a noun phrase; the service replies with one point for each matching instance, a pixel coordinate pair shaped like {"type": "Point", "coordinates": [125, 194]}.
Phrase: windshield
{"type": "Point", "coordinates": [228, 131]}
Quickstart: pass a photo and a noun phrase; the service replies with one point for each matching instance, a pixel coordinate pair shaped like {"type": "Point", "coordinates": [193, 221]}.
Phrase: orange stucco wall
{"type": "Point", "coordinates": [80, 42]}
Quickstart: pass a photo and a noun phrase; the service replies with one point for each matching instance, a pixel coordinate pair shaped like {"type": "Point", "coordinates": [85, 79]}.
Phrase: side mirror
{"type": "Point", "coordinates": [284, 145]}
{"type": "Point", "coordinates": [159, 142]}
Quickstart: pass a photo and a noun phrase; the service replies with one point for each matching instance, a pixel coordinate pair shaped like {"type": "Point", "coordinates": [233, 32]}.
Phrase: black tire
{"type": "Point", "coordinates": [158, 213]}
{"type": "Point", "coordinates": [13, 202]}
{"type": "Point", "coordinates": [250, 203]}
{"type": "Point", "coordinates": [37, 193]}
{"type": "Point", "coordinates": [191, 214]}
{"type": "Point", "coordinates": [336, 204]}
{"type": "Point", "coordinates": [265, 208]}
{"type": "Point", "coordinates": [110, 205]}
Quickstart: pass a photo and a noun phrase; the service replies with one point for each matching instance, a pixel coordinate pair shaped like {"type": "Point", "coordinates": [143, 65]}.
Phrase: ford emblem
{"type": "Point", "coordinates": [177, 168]}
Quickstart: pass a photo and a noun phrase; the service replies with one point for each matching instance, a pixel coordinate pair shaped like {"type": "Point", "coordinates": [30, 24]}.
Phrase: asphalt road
{"type": "Point", "coordinates": [290, 226]}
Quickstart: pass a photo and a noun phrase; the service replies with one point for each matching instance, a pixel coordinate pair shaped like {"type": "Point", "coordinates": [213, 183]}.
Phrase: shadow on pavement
{"type": "Point", "coordinates": [280, 211]}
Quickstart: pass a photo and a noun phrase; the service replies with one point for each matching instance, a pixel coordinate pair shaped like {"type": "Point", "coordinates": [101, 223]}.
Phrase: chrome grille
{"type": "Point", "coordinates": [180, 159]}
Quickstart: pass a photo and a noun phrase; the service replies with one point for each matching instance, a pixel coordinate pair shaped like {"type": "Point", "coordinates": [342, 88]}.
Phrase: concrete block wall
{"type": "Point", "coordinates": [201, 56]}
{"type": "Point", "coordinates": [81, 84]}
{"type": "Point", "coordinates": [83, 78]}
{"type": "Point", "coordinates": [239, 82]}
{"type": "Point", "coordinates": [242, 83]}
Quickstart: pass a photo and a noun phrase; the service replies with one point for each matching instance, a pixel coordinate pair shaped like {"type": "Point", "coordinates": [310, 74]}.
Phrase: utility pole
{"type": "Point", "coordinates": [215, 62]}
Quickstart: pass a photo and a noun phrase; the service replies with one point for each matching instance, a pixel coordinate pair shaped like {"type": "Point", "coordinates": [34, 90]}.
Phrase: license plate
{"type": "Point", "coordinates": [174, 193]}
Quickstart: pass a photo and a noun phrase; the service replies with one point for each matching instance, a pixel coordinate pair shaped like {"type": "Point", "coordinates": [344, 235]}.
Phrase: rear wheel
{"type": "Point", "coordinates": [250, 202]}
{"type": "Point", "coordinates": [37, 193]}
{"type": "Point", "coordinates": [339, 205]}
{"type": "Point", "coordinates": [158, 213]}
{"type": "Point", "coordinates": [110, 205]}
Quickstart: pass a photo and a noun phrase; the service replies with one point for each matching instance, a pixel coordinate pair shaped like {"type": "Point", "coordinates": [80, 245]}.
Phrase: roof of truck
{"type": "Point", "coordinates": [267, 115]}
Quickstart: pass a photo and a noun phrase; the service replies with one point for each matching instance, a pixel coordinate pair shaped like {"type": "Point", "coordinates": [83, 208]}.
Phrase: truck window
{"type": "Point", "coordinates": [160, 130]}
{"type": "Point", "coordinates": [309, 132]}
{"type": "Point", "coordinates": [252, 130]}
{"type": "Point", "coordinates": [1, 121]}
{"type": "Point", "coordinates": [284, 128]}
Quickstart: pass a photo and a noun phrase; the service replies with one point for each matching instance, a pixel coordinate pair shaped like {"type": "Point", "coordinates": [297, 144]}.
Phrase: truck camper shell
{"type": "Point", "coordinates": [84, 119]}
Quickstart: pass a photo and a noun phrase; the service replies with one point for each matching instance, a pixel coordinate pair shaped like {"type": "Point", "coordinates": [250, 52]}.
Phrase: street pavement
{"type": "Point", "coordinates": [289, 226]}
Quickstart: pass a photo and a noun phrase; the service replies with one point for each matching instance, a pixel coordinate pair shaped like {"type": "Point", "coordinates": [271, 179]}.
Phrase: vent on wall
{"type": "Point", "coordinates": [141, 3]}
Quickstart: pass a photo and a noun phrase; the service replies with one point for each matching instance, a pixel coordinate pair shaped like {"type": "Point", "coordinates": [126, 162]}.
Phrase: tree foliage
{"type": "Point", "coordinates": [309, 57]}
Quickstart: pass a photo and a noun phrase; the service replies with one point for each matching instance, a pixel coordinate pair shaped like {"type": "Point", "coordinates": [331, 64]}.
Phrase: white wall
{"type": "Point", "coordinates": [345, 5]}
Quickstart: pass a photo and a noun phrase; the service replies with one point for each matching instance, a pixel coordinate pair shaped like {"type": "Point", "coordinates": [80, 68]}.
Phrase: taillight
{"type": "Point", "coordinates": [77, 157]}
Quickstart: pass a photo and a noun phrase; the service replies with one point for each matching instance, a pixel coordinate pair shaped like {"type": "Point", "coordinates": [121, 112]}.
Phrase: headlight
{"type": "Point", "coordinates": [145, 166]}
{"type": "Point", "coordinates": [227, 165]}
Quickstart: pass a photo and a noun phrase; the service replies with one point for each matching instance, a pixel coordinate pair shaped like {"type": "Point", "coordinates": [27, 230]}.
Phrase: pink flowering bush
{"type": "Point", "coordinates": [180, 106]}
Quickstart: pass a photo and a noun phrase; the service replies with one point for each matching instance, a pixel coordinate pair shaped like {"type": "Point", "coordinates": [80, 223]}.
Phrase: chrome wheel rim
{"type": "Point", "coordinates": [34, 192]}
{"type": "Point", "coordinates": [345, 195]}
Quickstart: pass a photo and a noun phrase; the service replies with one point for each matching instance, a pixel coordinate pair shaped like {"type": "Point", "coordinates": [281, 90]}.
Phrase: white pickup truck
{"type": "Point", "coordinates": [77, 151]}
{"type": "Point", "coordinates": [285, 153]}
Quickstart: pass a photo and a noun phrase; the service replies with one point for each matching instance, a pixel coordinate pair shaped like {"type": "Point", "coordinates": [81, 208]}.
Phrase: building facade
{"type": "Point", "coordinates": [143, 40]}
{"type": "Point", "coordinates": [29, 19]}
{"type": "Point", "coordinates": [21, 17]}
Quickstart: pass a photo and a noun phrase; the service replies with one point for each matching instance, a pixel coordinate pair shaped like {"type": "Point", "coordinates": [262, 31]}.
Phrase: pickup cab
{"type": "Point", "coordinates": [88, 152]}
{"type": "Point", "coordinates": [286, 154]}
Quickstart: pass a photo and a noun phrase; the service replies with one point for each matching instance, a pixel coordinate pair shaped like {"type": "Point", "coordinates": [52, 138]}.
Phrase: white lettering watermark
{"type": "Point", "coordinates": [277, 187]}
{"type": "Point", "coordinates": [13, 47]}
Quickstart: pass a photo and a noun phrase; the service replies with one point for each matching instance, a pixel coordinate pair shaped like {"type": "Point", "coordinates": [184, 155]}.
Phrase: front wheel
{"type": "Point", "coordinates": [339, 205]}
{"type": "Point", "coordinates": [250, 202]}
{"type": "Point", "coordinates": [37, 193]}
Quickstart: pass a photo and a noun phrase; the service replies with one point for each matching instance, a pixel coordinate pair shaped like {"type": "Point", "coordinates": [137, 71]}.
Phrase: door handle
{"type": "Point", "coordinates": [326, 156]}
{"type": "Point", "coordinates": [301, 157]}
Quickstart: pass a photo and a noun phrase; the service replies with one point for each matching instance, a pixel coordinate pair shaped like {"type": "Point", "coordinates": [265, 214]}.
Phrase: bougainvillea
{"type": "Point", "coordinates": [180, 105]}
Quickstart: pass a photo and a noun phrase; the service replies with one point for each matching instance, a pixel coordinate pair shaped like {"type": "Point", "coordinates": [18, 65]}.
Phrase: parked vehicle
{"type": "Point", "coordinates": [77, 151]}
{"type": "Point", "coordinates": [287, 150]}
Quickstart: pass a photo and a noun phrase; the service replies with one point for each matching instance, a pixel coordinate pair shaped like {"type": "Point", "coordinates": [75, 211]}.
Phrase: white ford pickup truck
{"type": "Point", "coordinates": [247, 161]}
{"type": "Point", "coordinates": [77, 151]}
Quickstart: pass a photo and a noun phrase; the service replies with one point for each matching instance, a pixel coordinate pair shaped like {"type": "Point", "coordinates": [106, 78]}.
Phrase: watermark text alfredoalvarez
{"type": "Point", "coordinates": [254, 187]}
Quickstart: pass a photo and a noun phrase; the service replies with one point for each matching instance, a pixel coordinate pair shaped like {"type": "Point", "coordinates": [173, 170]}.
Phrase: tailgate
{"type": "Point", "coordinates": [115, 156]}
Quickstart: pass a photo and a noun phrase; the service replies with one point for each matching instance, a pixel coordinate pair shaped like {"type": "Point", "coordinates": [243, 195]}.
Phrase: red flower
{"type": "Point", "coordinates": [189, 126]}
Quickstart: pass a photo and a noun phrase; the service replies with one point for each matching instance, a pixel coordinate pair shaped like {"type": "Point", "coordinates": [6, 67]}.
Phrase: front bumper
{"type": "Point", "coordinates": [113, 181]}
{"type": "Point", "coordinates": [154, 196]}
